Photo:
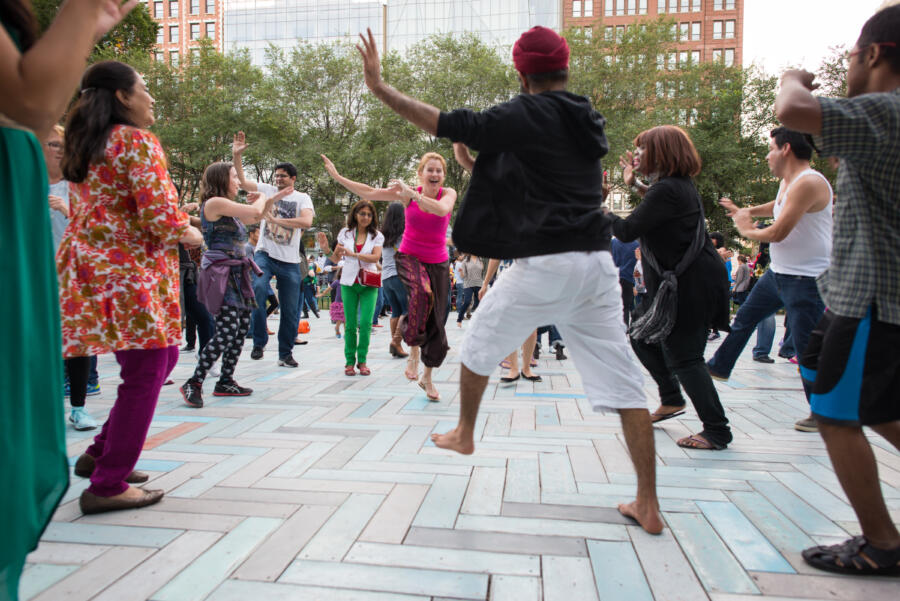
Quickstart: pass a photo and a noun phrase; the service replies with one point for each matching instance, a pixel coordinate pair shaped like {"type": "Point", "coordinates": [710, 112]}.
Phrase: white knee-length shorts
{"type": "Point", "coordinates": [578, 292]}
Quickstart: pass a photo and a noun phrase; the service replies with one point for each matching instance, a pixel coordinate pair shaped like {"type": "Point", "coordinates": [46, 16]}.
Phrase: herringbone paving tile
{"type": "Point", "coordinates": [320, 486]}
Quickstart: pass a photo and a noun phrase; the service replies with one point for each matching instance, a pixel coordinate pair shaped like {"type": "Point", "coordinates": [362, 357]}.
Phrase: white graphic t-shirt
{"type": "Point", "coordinates": [281, 243]}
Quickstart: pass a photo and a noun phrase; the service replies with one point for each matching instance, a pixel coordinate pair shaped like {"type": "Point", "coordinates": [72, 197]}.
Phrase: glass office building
{"type": "Point", "coordinates": [397, 24]}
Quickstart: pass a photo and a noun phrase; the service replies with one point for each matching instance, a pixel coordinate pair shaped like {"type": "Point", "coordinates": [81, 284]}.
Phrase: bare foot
{"type": "Point", "coordinates": [648, 518]}
{"type": "Point", "coordinates": [454, 441]}
{"type": "Point", "coordinates": [412, 371]}
{"type": "Point", "coordinates": [430, 391]}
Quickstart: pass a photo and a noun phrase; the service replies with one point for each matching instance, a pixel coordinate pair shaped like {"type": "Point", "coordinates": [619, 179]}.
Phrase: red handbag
{"type": "Point", "coordinates": [370, 278]}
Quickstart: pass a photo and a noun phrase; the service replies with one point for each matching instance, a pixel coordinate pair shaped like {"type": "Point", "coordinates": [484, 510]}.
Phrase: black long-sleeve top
{"type": "Point", "coordinates": [536, 184]}
{"type": "Point", "coordinates": [666, 223]}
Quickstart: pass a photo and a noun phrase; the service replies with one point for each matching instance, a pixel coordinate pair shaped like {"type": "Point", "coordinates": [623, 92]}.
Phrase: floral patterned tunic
{"type": "Point", "coordinates": [118, 260]}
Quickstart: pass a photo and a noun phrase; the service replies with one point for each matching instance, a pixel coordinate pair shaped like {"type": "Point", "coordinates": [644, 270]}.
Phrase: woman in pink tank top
{"type": "Point", "coordinates": [422, 261]}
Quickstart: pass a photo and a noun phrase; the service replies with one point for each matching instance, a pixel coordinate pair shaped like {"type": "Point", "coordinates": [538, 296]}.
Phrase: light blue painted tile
{"type": "Point", "coordinates": [545, 415]}
{"type": "Point", "coordinates": [777, 528]}
{"type": "Point", "coordinates": [76, 486]}
{"type": "Point", "coordinates": [338, 534]}
{"type": "Point", "coordinates": [182, 418]}
{"type": "Point", "coordinates": [556, 473]}
{"type": "Point", "coordinates": [207, 571]}
{"type": "Point", "coordinates": [442, 502]}
{"type": "Point", "coordinates": [746, 542]}
{"type": "Point", "coordinates": [369, 476]}
{"type": "Point", "coordinates": [817, 496]}
{"type": "Point", "coordinates": [212, 449]}
{"type": "Point", "coordinates": [203, 482]}
{"type": "Point", "coordinates": [593, 500]}
{"type": "Point", "coordinates": [157, 465]}
{"type": "Point", "coordinates": [799, 511]}
{"type": "Point", "coordinates": [522, 481]}
{"type": "Point", "coordinates": [716, 567]}
{"type": "Point", "coordinates": [617, 572]}
{"type": "Point", "coordinates": [302, 460]}
{"type": "Point", "coordinates": [368, 408]}
{"type": "Point", "coordinates": [755, 475]}
{"type": "Point", "coordinates": [550, 395]}
{"type": "Point", "coordinates": [272, 376]}
{"type": "Point", "coordinates": [378, 446]}
{"type": "Point", "coordinates": [98, 534]}
{"type": "Point", "coordinates": [39, 577]}
{"type": "Point", "coordinates": [242, 590]}
{"type": "Point", "coordinates": [457, 585]}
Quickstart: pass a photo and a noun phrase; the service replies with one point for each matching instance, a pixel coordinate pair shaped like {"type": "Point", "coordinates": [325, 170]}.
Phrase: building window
{"type": "Point", "coordinates": [729, 30]}
{"type": "Point", "coordinates": [673, 6]}
{"type": "Point", "coordinates": [588, 8]}
{"type": "Point", "coordinates": [695, 32]}
{"type": "Point", "coordinates": [685, 6]}
{"type": "Point", "coordinates": [610, 8]}
{"type": "Point", "coordinates": [160, 36]}
{"type": "Point", "coordinates": [159, 56]}
{"type": "Point", "coordinates": [672, 61]}
{"type": "Point", "coordinates": [210, 7]}
{"type": "Point", "coordinates": [588, 32]}
{"type": "Point", "coordinates": [695, 57]}
{"type": "Point", "coordinates": [729, 57]}
{"type": "Point", "coordinates": [682, 57]}
{"type": "Point", "coordinates": [211, 30]}
{"type": "Point", "coordinates": [576, 8]}
{"type": "Point", "coordinates": [620, 32]}
{"type": "Point", "coordinates": [717, 56]}
{"type": "Point", "coordinates": [695, 6]}
{"type": "Point", "coordinates": [632, 7]}
{"type": "Point", "coordinates": [157, 10]}
{"type": "Point", "coordinates": [608, 33]}
{"type": "Point", "coordinates": [723, 4]}
{"type": "Point", "coordinates": [642, 7]}
{"type": "Point", "coordinates": [195, 7]}
{"type": "Point", "coordinates": [717, 4]}
{"type": "Point", "coordinates": [620, 7]}
{"type": "Point", "coordinates": [173, 58]}
{"type": "Point", "coordinates": [173, 34]}
{"type": "Point", "coordinates": [195, 31]}
{"type": "Point", "coordinates": [661, 7]}
{"type": "Point", "coordinates": [660, 64]}
{"type": "Point", "coordinates": [173, 8]}
{"type": "Point", "coordinates": [717, 30]}
{"type": "Point", "coordinates": [683, 31]}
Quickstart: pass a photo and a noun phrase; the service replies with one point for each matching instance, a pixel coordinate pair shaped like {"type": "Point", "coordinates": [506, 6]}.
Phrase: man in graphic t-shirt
{"type": "Point", "coordinates": [277, 254]}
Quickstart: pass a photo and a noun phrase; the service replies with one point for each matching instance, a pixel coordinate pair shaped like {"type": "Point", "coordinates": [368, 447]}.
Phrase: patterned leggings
{"type": "Point", "coordinates": [232, 324]}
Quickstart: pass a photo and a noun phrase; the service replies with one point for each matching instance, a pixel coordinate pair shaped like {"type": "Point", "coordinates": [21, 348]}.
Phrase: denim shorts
{"type": "Point", "coordinates": [395, 295]}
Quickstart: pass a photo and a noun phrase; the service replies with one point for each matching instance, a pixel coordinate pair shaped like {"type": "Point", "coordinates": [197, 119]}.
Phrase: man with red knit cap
{"type": "Point", "coordinates": [535, 196]}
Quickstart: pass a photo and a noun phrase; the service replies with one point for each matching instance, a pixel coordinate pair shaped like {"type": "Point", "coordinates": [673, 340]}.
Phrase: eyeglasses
{"type": "Point", "coordinates": [280, 175]}
{"type": "Point", "coordinates": [55, 145]}
{"type": "Point", "coordinates": [858, 50]}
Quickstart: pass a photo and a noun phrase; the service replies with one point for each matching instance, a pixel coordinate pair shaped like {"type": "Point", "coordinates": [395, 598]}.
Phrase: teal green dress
{"type": "Point", "coordinates": [32, 419]}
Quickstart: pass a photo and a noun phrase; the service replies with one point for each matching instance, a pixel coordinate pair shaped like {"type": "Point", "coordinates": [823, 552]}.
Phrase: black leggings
{"type": "Point", "coordinates": [228, 341]}
{"type": "Point", "coordinates": [78, 370]}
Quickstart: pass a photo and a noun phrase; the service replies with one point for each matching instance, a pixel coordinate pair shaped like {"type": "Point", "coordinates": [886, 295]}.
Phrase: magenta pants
{"type": "Point", "coordinates": [117, 448]}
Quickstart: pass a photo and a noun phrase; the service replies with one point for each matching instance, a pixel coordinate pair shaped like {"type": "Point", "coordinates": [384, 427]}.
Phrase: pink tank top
{"type": "Point", "coordinates": [425, 236]}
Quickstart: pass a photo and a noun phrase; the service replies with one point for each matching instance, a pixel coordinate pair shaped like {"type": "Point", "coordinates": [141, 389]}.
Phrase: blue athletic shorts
{"type": "Point", "coordinates": [854, 367]}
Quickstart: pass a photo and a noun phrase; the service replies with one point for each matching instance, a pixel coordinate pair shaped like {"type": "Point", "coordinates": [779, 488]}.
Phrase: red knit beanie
{"type": "Point", "coordinates": [539, 50]}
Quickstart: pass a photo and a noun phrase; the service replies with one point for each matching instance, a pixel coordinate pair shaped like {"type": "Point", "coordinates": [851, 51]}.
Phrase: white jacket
{"type": "Point", "coordinates": [347, 239]}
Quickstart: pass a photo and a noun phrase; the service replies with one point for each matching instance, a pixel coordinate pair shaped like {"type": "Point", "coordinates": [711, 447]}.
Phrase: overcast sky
{"type": "Point", "coordinates": [778, 33]}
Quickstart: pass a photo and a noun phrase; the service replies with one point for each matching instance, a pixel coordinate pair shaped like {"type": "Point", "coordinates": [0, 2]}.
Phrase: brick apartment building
{"type": "Point", "coordinates": [183, 23]}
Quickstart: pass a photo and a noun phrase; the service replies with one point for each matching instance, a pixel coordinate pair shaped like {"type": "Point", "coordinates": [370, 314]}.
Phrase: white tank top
{"type": "Point", "coordinates": [807, 248]}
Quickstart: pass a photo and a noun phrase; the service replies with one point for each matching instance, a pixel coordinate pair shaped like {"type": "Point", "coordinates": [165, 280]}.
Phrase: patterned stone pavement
{"type": "Point", "coordinates": [320, 486]}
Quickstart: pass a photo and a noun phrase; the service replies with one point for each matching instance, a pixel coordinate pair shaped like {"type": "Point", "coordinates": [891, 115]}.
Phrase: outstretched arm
{"type": "Point", "coordinates": [422, 115]}
{"type": "Point", "coordinates": [463, 156]}
{"type": "Point", "coordinates": [795, 106]}
{"type": "Point", "coordinates": [238, 146]}
{"type": "Point", "coordinates": [362, 190]}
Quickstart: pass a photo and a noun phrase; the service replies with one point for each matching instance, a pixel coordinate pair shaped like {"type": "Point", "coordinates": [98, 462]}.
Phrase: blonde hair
{"type": "Point", "coordinates": [429, 156]}
{"type": "Point", "coordinates": [60, 131]}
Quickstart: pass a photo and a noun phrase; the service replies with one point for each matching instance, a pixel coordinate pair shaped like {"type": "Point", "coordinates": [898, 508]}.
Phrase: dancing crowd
{"type": "Point", "coordinates": [538, 252]}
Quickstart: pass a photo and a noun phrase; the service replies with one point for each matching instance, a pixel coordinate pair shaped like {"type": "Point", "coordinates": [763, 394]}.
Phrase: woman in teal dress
{"type": "Point", "coordinates": [37, 78]}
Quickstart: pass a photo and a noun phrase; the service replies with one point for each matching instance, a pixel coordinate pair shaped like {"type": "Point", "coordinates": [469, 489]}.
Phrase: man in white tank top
{"type": "Point", "coordinates": [800, 248]}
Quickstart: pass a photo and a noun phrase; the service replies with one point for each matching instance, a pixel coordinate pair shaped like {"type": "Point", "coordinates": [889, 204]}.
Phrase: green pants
{"type": "Point", "coordinates": [358, 300]}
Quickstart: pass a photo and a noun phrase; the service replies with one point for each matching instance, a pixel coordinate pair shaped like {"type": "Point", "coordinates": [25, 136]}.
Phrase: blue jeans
{"type": "Point", "coordinates": [552, 334]}
{"type": "Point", "coordinates": [379, 303]}
{"type": "Point", "coordinates": [395, 294]}
{"type": "Point", "coordinates": [287, 275]}
{"type": "Point", "coordinates": [464, 297]}
{"type": "Point", "coordinates": [799, 297]}
{"type": "Point", "coordinates": [765, 336]}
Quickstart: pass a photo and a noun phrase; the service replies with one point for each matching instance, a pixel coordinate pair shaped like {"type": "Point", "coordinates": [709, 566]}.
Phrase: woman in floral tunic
{"type": "Point", "coordinates": [118, 270]}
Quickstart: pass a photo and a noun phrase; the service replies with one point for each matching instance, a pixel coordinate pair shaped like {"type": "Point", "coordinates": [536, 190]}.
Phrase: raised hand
{"type": "Point", "coordinates": [190, 207]}
{"type": "Point", "coordinates": [329, 166]}
{"type": "Point", "coordinates": [111, 14]}
{"type": "Point", "coordinates": [322, 240]}
{"type": "Point", "coordinates": [371, 60]}
{"type": "Point", "coordinates": [729, 206]}
{"type": "Point", "coordinates": [626, 162]}
{"type": "Point", "coordinates": [239, 143]}
{"type": "Point", "coordinates": [805, 78]}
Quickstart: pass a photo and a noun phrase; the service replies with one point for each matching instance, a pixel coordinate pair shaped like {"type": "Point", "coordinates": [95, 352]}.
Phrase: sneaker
{"type": "Point", "coordinates": [287, 362]}
{"type": "Point", "coordinates": [231, 388]}
{"type": "Point", "coordinates": [256, 353]}
{"type": "Point", "coordinates": [81, 419]}
{"type": "Point", "coordinates": [713, 336]}
{"type": "Point", "coordinates": [560, 356]}
{"type": "Point", "coordinates": [793, 360]}
{"type": "Point", "coordinates": [192, 392]}
{"type": "Point", "coordinates": [93, 389]}
{"type": "Point", "coordinates": [188, 348]}
{"type": "Point", "coordinates": [67, 393]}
{"type": "Point", "coordinates": [807, 424]}
{"type": "Point", "coordinates": [764, 359]}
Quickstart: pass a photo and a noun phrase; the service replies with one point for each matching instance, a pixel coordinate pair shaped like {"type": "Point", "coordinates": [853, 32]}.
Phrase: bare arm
{"type": "Point", "coordinates": [795, 106]}
{"type": "Point", "coordinates": [463, 156]}
{"type": "Point", "coordinates": [422, 115]}
{"type": "Point", "coordinates": [807, 196]}
{"type": "Point", "coordinates": [218, 207]}
{"type": "Point", "coordinates": [238, 146]}
{"type": "Point", "coordinates": [763, 210]}
{"type": "Point", "coordinates": [362, 190]}
{"type": "Point", "coordinates": [304, 221]}
{"type": "Point", "coordinates": [493, 265]}
{"type": "Point", "coordinates": [38, 85]}
{"type": "Point", "coordinates": [627, 164]}
{"type": "Point", "coordinates": [441, 207]}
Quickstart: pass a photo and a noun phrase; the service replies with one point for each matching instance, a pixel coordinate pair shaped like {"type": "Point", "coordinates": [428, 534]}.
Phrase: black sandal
{"type": "Point", "coordinates": [532, 378]}
{"type": "Point", "coordinates": [854, 556]}
{"type": "Point", "coordinates": [505, 380]}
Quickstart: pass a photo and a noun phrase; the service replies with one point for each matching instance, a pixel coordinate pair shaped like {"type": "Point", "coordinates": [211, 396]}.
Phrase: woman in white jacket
{"type": "Point", "coordinates": [359, 245]}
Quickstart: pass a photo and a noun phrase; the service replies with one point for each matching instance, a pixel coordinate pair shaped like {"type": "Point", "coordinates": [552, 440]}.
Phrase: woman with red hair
{"type": "Point", "coordinates": [687, 287]}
